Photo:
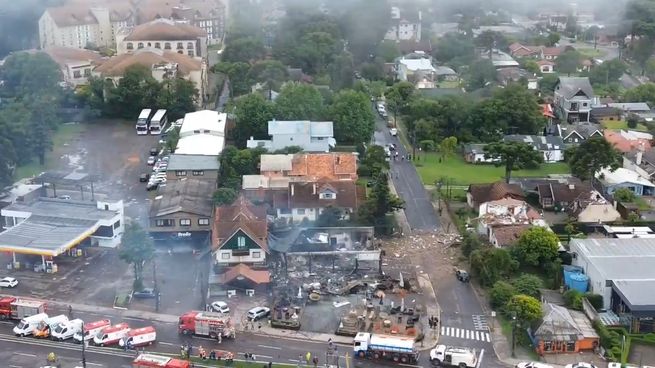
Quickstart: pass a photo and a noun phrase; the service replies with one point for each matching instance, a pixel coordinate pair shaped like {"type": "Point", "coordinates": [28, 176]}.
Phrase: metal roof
{"type": "Point", "coordinates": [185, 195]}
{"type": "Point", "coordinates": [633, 290]}
{"type": "Point", "coordinates": [193, 162]}
{"type": "Point", "coordinates": [276, 162]}
{"type": "Point", "coordinates": [62, 208]}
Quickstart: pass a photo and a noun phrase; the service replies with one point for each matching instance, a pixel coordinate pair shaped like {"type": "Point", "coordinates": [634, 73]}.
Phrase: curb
{"type": "Point", "coordinates": [428, 282]}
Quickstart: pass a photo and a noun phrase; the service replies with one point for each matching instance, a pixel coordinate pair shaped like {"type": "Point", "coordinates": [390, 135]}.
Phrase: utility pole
{"type": "Point", "coordinates": [83, 347]}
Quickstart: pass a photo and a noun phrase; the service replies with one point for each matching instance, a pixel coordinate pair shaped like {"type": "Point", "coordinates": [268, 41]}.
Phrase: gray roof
{"type": "Point", "coordinates": [584, 129]}
{"type": "Point", "coordinates": [321, 129]}
{"type": "Point", "coordinates": [45, 234]}
{"type": "Point", "coordinates": [62, 208]}
{"type": "Point", "coordinates": [570, 86]}
{"type": "Point", "coordinates": [193, 162]}
{"type": "Point", "coordinates": [185, 195]}
{"type": "Point", "coordinates": [474, 147]}
{"type": "Point", "coordinates": [276, 162]}
{"type": "Point", "coordinates": [539, 142]}
{"type": "Point", "coordinates": [631, 106]}
{"type": "Point", "coordinates": [562, 324]}
{"type": "Point", "coordinates": [301, 127]}
{"type": "Point", "coordinates": [444, 70]}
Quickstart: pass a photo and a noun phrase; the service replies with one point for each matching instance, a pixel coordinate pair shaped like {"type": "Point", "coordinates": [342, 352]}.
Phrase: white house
{"type": "Point", "coordinates": [408, 68]}
{"type": "Point", "coordinates": [306, 201]}
{"type": "Point", "coordinates": [163, 34]}
{"type": "Point", "coordinates": [311, 136]}
{"type": "Point", "coordinates": [76, 65]}
{"type": "Point", "coordinates": [202, 133]}
{"type": "Point", "coordinates": [551, 147]}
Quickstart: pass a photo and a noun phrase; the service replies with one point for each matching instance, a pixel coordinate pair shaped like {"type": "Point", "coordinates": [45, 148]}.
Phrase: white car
{"type": "Point", "coordinates": [8, 282]}
{"type": "Point", "coordinates": [580, 365]}
{"type": "Point", "coordinates": [393, 131]}
{"type": "Point", "coordinates": [258, 313]}
{"type": "Point", "coordinates": [151, 160]}
{"type": "Point", "coordinates": [220, 307]}
{"type": "Point", "coordinates": [532, 365]}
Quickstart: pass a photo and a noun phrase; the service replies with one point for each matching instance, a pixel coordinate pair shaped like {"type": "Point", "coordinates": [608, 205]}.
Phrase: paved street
{"type": "Point", "coordinates": [418, 205]}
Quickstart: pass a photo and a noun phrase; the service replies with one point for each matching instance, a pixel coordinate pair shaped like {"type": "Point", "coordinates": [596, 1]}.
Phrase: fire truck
{"type": "Point", "coordinates": [16, 308]}
{"type": "Point", "coordinates": [206, 324]}
{"type": "Point", "coordinates": [152, 360]}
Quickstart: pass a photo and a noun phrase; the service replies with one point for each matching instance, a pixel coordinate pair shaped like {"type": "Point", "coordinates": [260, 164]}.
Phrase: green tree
{"type": "Point", "coordinates": [374, 161]}
{"type": "Point", "coordinates": [642, 93]}
{"type": "Point", "coordinates": [178, 96]}
{"type": "Point", "coordinates": [246, 50]}
{"type": "Point", "coordinates": [26, 74]}
{"type": "Point", "coordinates": [552, 39]}
{"type": "Point", "coordinates": [7, 161]}
{"type": "Point", "coordinates": [455, 49]}
{"type": "Point", "coordinates": [235, 164]}
{"type": "Point", "coordinates": [238, 75]}
{"type": "Point", "coordinates": [172, 139]}
{"type": "Point", "coordinates": [591, 156]}
{"type": "Point", "coordinates": [526, 308]}
{"type": "Point", "coordinates": [537, 246]}
{"type": "Point", "coordinates": [608, 72]}
{"type": "Point", "coordinates": [501, 293]}
{"type": "Point", "coordinates": [568, 62]}
{"type": "Point", "coordinates": [488, 40]}
{"type": "Point", "coordinates": [136, 89]}
{"type": "Point", "coordinates": [470, 243]}
{"type": "Point", "coordinates": [512, 155]}
{"type": "Point", "coordinates": [641, 51]}
{"type": "Point", "coordinates": [224, 196]}
{"type": "Point", "coordinates": [573, 299]}
{"type": "Point", "coordinates": [482, 73]}
{"type": "Point", "coordinates": [272, 72]}
{"type": "Point", "coordinates": [353, 118]}
{"type": "Point", "coordinates": [492, 264]}
{"type": "Point", "coordinates": [624, 195]}
{"type": "Point", "coordinates": [399, 96]}
{"type": "Point", "coordinates": [341, 71]}
{"type": "Point", "coordinates": [136, 249]}
{"type": "Point", "coordinates": [253, 112]}
{"type": "Point", "coordinates": [298, 101]}
{"type": "Point", "coordinates": [330, 217]}
{"type": "Point", "coordinates": [447, 146]}
{"type": "Point", "coordinates": [547, 84]}
{"type": "Point", "coordinates": [380, 202]}
{"type": "Point", "coordinates": [528, 284]}
{"type": "Point", "coordinates": [518, 108]}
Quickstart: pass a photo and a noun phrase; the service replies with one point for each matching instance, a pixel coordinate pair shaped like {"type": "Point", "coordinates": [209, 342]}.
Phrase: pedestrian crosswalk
{"type": "Point", "coordinates": [461, 333]}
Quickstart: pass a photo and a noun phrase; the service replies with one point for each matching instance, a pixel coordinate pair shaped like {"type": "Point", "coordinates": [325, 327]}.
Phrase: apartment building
{"type": "Point", "coordinates": [163, 34]}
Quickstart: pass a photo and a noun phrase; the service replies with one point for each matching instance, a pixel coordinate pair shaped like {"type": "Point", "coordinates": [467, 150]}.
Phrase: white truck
{"type": "Point", "coordinates": [454, 356]}
{"type": "Point", "coordinates": [399, 349]}
{"type": "Point", "coordinates": [67, 330]}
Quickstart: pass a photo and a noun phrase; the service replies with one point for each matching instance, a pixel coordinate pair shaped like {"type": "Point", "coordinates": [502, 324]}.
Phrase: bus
{"type": "Point", "coordinates": [142, 122]}
{"type": "Point", "coordinates": [158, 122]}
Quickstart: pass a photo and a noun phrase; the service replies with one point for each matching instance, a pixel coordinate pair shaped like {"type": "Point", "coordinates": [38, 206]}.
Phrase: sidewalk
{"type": "Point", "coordinates": [400, 216]}
{"type": "Point", "coordinates": [432, 309]}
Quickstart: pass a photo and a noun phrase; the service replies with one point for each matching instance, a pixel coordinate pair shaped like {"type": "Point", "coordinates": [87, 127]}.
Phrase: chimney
{"type": "Point", "coordinates": [293, 186]}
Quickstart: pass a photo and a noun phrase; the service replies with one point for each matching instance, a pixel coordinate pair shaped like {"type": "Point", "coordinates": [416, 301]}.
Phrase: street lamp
{"type": "Point", "coordinates": [513, 333]}
{"type": "Point", "coordinates": [83, 347]}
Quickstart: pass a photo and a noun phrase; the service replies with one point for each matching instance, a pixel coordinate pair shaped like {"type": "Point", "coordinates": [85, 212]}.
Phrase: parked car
{"type": "Point", "coordinates": [580, 365]}
{"type": "Point", "coordinates": [144, 177]}
{"type": "Point", "coordinates": [146, 293]}
{"type": "Point", "coordinates": [220, 307]}
{"type": "Point", "coordinates": [532, 365]}
{"type": "Point", "coordinates": [384, 114]}
{"type": "Point", "coordinates": [154, 151]}
{"type": "Point", "coordinates": [393, 131]}
{"type": "Point", "coordinates": [151, 160]}
{"type": "Point", "coordinates": [462, 276]}
{"type": "Point", "coordinates": [66, 197]}
{"type": "Point", "coordinates": [8, 282]}
{"type": "Point", "coordinates": [258, 313]}
{"type": "Point", "coordinates": [152, 185]}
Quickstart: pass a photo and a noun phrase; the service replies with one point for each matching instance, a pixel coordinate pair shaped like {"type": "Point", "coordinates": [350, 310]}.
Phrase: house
{"type": "Point", "coordinates": [411, 46]}
{"type": "Point", "coordinates": [564, 331]}
{"type": "Point", "coordinates": [551, 53]}
{"type": "Point", "coordinates": [592, 207]}
{"type": "Point", "coordinates": [404, 25]}
{"type": "Point", "coordinates": [78, 25]}
{"type": "Point", "coordinates": [551, 147]}
{"type": "Point", "coordinates": [239, 242]}
{"type": "Point", "coordinates": [500, 59]}
{"type": "Point", "coordinates": [202, 133]}
{"type": "Point", "coordinates": [579, 132]}
{"type": "Point", "coordinates": [508, 75]}
{"type": "Point", "coordinates": [546, 66]}
{"type": "Point", "coordinates": [414, 67]}
{"type": "Point", "coordinates": [163, 34]}
{"type": "Point", "coordinates": [624, 178]}
{"type": "Point", "coordinates": [203, 167]}
{"type": "Point", "coordinates": [306, 201]}
{"type": "Point", "coordinates": [631, 107]}
{"type": "Point", "coordinates": [621, 270]}
{"type": "Point", "coordinates": [521, 51]}
{"type": "Point", "coordinates": [628, 140]}
{"type": "Point", "coordinates": [444, 73]}
{"type": "Point", "coordinates": [559, 196]}
{"type": "Point", "coordinates": [502, 236]}
{"type": "Point", "coordinates": [163, 64]}
{"type": "Point", "coordinates": [507, 211]}
{"type": "Point", "coordinates": [641, 162]}
{"type": "Point", "coordinates": [602, 114]}
{"type": "Point", "coordinates": [75, 64]}
{"type": "Point", "coordinates": [474, 153]}
{"type": "Point", "coordinates": [182, 209]}
{"type": "Point", "coordinates": [311, 136]}
{"type": "Point", "coordinates": [478, 194]}
{"type": "Point", "coordinates": [573, 98]}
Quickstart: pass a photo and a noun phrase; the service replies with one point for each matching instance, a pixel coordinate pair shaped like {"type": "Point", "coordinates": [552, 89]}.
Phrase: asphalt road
{"type": "Point", "coordinates": [418, 205]}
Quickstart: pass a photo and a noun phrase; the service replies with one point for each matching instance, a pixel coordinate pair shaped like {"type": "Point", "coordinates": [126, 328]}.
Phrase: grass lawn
{"type": "Point", "coordinates": [463, 173]}
{"type": "Point", "coordinates": [62, 136]}
{"type": "Point", "coordinates": [621, 124]}
{"type": "Point", "coordinates": [589, 52]}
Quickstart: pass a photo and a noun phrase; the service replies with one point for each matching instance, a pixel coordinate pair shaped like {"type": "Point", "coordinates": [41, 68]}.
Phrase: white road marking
{"type": "Point", "coordinates": [270, 347]}
{"type": "Point", "coordinates": [15, 366]}
{"type": "Point", "coordinates": [27, 355]}
{"type": "Point", "coordinates": [409, 365]}
{"type": "Point", "coordinates": [166, 343]}
{"type": "Point", "coordinates": [7, 322]}
{"type": "Point", "coordinates": [97, 364]}
{"type": "Point", "coordinates": [480, 358]}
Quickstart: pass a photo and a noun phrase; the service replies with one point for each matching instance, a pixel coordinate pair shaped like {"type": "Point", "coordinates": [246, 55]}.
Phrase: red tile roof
{"type": "Point", "coordinates": [117, 65]}
{"type": "Point", "coordinates": [165, 30]}
{"type": "Point", "coordinates": [244, 216]}
{"type": "Point", "coordinates": [256, 276]}
{"type": "Point", "coordinates": [315, 166]}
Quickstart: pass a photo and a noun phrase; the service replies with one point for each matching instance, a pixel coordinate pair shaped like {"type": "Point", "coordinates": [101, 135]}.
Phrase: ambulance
{"type": "Point", "coordinates": [139, 337]}
{"type": "Point", "coordinates": [111, 335]}
{"type": "Point", "coordinates": [91, 330]}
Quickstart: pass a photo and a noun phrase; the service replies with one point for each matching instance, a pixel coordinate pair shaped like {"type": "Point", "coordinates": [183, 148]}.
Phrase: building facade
{"type": "Point", "coordinates": [163, 34]}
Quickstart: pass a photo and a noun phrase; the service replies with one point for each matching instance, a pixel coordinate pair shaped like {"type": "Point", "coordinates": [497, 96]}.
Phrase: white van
{"type": "Point", "coordinates": [111, 335]}
{"type": "Point", "coordinates": [139, 337]}
{"type": "Point", "coordinates": [27, 325]}
{"type": "Point", "coordinates": [67, 330]}
{"type": "Point", "coordinates": [91, 330]}
{"type": "Point", "coordinates": [454, 356]}
{"type": "Point", "coordinates": [45, 329]}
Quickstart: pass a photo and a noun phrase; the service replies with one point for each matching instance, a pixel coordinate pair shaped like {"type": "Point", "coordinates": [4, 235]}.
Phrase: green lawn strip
{"type": "Point", "coordinates": [642, 204]}
{"type": "Point", "coordinates": [64, 134]}
{"type": "Point", "coordinates": [622, 124]}
{"type": "Point", "coordinates": [590, 52]}
{"type": "Point", "coordinates": [237, 363]}
{"type": "Point", "coordinates": [462, 173]}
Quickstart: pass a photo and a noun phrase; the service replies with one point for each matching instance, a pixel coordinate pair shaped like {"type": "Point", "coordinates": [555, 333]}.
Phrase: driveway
{"type": "Point", "coordinates": [418, 204]}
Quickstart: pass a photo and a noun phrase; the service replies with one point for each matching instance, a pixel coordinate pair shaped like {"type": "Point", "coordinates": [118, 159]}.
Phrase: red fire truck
{"type": "Point", "coordinates": [16, 308]}
{"type": "Point", "coordinates": [206, 324]}
{"type": "Point", "coordinates": [152, 360]}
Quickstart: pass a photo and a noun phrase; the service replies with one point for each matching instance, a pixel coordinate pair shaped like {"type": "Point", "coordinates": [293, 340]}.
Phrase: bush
{"type": "Point", "coordinates": [470, 243]}
{"type": "Point", "coordinates": [573, 299]}
{"type": "Point", "coordinates": [595, 300]}
{"type": "Point", "coordinates": [427, 145]}
{"type": "Point", "coordinates": [528, 284]}
{"type": "Point", "coordinates": [501, 293]}
{"type": "Point", "coordinates": [364, 171]}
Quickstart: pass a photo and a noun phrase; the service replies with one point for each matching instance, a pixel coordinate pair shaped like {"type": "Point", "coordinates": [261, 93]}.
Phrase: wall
{"type": "Point", "coordinates": [211, 175]}
{"type": "Point", "coordinates": [596, 278]}
{"type": "Point", "coordinates": [218, 256]}
{"type": "Point", "coordinates": [190, 47]}
{"type": "Point", "coordinates": [177, 228]}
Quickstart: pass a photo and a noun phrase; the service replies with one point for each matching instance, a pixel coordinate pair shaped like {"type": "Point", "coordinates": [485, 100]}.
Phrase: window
{"type": "Point", "coordinates": [157, 45]}
{"type": "Point", "coordinates": [203, 221]}
{"type": "Point", "coordinates": [284, 211]}
{"type": "Point", "coordinates": [570, 346]}
{"type": "Point", "coordinates": [117, 224]}
{"type": "Point", "coordinates": [180, 173]}
{"type": "Point", "coordinates": [185, 222]}
{"type": "Point", "coordinates": [149, 44]}
{"type": "Point", "coordinates": [167, 46]}
{"type": "Point", "coordinates": [225, 255]}
{"type": "Point", "coordinates": [87, 72]}
{"type": "Point", "coordinates": [198, 173]}
{"type": "Point", "coordinates": [180, 46]}
{"type": "Point", "coordinates": [140, 45]}
{"type": "Point", "coordinates": [189, 45]}
{"type": "Point", "coordinates": [327, 195]}
{"type": "Point", "coordinates": [190, 53]}
{"type": "Point", "coordinates": [180, 52]}
{"type": "Point", "coordinates": [300, 211]}
{"type": "Point", "coordinates": [256, 254]}
{"type": "Point", "coordinates": [164, 223]}
{"type": "Point", "coordinates": [77, 74]}
{"type": "Point", "coordinates": [241, 242]}
{"type": "Point", "coordinates": [130, 46]}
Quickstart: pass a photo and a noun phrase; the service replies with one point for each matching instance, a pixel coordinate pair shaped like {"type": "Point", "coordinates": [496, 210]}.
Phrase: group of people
{"type": "Point", "coordinates": [433, 322]}
{"type": "Point", "coordinates": [185, 352]}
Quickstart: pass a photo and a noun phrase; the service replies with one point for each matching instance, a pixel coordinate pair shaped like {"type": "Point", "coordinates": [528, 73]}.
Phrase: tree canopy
{"type": "Point", "coordinates": [253, 112]}
{"type": "Point", "coordinates": [526, 308]}
{"type": "Point", "coordinates": [136, 249]}
{"type": "Point", "coordinates": [513, 155]}
{"type": "Point", "coordinates": [537, 246]}
{"type": "Point", "coordinates": [298, 101]}
{"type": "Point", "coordinates": [591, 156]}
{"type": "Point", "coordinates": [353, 117]}
{"type": "Point", "coordinates": [492, 264]}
